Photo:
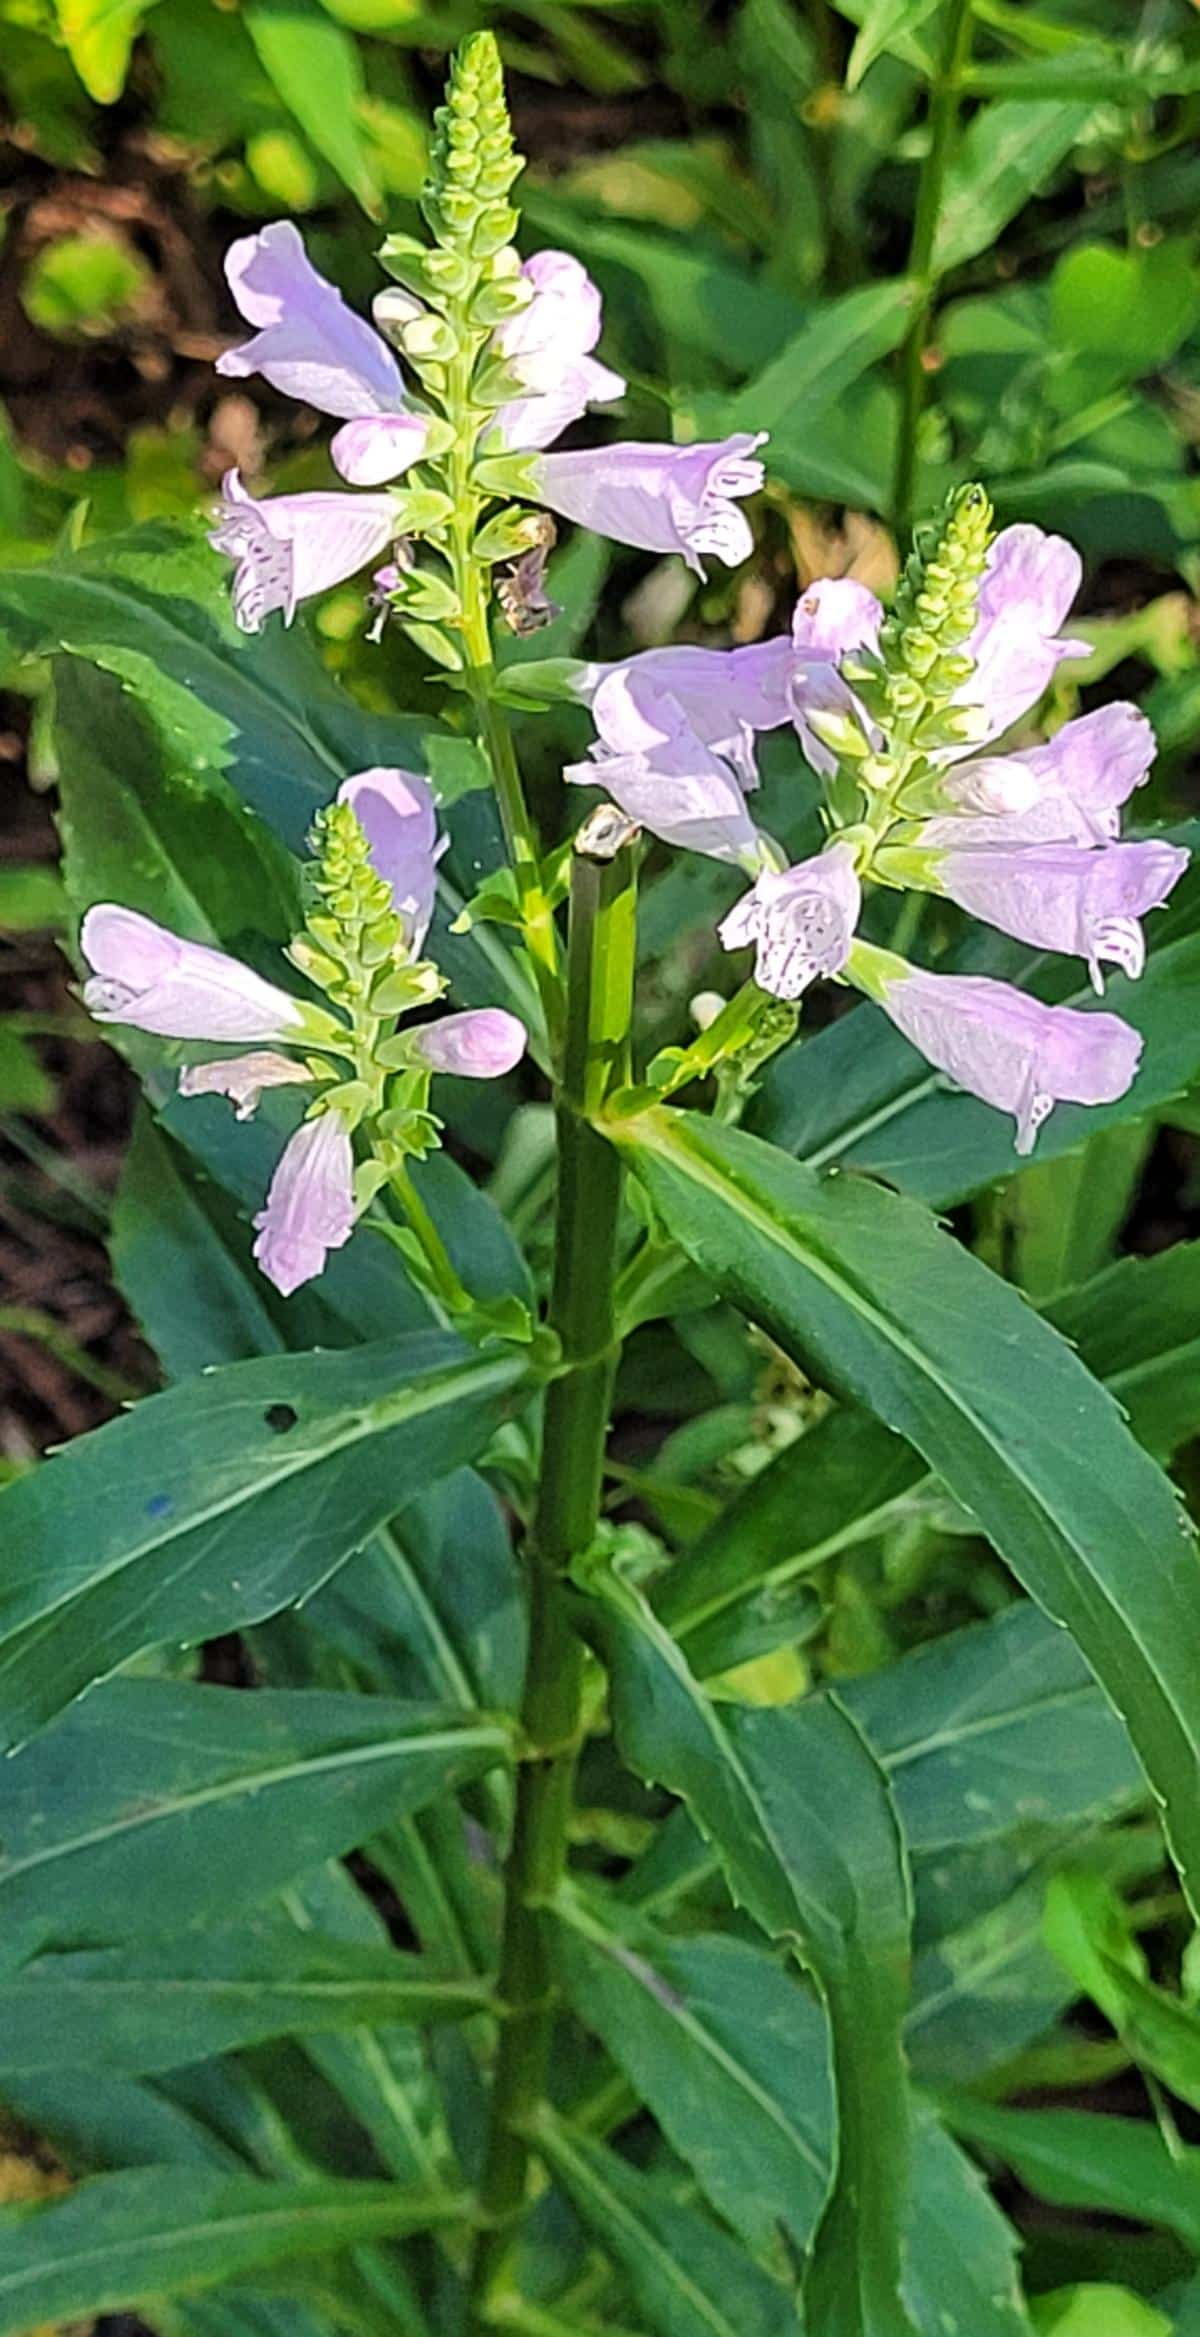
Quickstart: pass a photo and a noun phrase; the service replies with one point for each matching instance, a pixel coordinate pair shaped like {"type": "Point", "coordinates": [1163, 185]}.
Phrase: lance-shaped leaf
{"type": "Point", "coordinates": [221, 1501]}
{"type": "Point", "coordinates": [801, 1819]}
{"type": "Point", "coordinates": [154, 2233]}
{"type": "Point", "coordinates": [688, 2277]}
{"type": "Point", "coordinates": [865, 1290]}
{"type": "Point", "coordinates": [849, 1479]}
{"type": "Point", "coordinates": [730, 2051]}
{"type": "Point", "coordinates": [152, 1804]}
{"type": "Point", "coordinates": [162, 2008]}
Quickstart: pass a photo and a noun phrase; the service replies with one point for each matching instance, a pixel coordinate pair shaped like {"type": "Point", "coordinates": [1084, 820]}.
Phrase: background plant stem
{"type": "Point", "coordinates": [595, 1059]}
{"type": "Point", "coordinates": [944, 99]}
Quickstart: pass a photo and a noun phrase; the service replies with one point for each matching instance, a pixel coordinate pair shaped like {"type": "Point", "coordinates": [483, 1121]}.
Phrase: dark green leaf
{"type": "Point", "coordinates": [151, 1805]}
{"type": "Point", "coordinates": [200, 1997]}
{"type": "Point", "coordinates": [801, 1820]}
{"type": "Point", "coordinates": [1008, 154]}
{"type": "Point", "coordinates": [687, 2276]}
{"type": "Point", "coordinates": [156, 2232]}
{"type": "Point", "coordinates": [218, 1503]}
{"type": "Point", "coordinates": [1120, 2166]}
{"type": "Point", "coordinates": [865, 1290]}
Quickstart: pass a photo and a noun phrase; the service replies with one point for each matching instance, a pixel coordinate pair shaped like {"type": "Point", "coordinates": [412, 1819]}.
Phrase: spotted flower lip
{"type": "Point", "coordinates": [999, 1044]}
{"type": "Point", "coordinates": [670, 782]}
{"type": "Point", "coordinates": [801, 921]}
{"type": "Point", "coordinates": [658, 498]}
{"type": "Point", "coordinates": [145, 976]}
{"type": "Point", "coordinates": [1066, 897]}
{"type": "Point", "coordinates": [289, 547]}
{"type": "Point", "coordinates": [310, 1208]}
{"type": "Point", "coordinates": [308, 344]}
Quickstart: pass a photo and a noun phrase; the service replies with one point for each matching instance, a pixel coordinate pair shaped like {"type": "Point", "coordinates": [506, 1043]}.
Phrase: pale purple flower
{"type": "Point", "coordinates": [288, 547]}
{"type": "Point", "coordinates": [801, 921]}
{"type": "Point", "coordinates": [659, 498]}
{"type": "Point", "coordinates": [242, 1078]}
{"type": "Point", "coordinates": [671, 783]}
{"type": "Point", "coordinates": [310, 1207]}
{"type": "Point", "coordinates": [833, 617]}
{"type": "Point", "coordinates": [151, 979]}
{"type": "Point", "coordinates": [308, 344]}
{"type": "Point", "coordinates": [482, 1043]}
{"type": "Point", "coordinates": [377, 447]}
{"type": "Point", "coordinates": [548, 345]}
{"type": "Point", "coordinates": [1029, 582]}
{"type": "Point", "coordinates": [397, 814]}
{"type": "Point", "coordinates": [1012, 1051]}
{"type": "Point", "coordinates": [1069, 791]}
{"type": "Point", "coordinates": [727, 696]}
{"type": "Point", "coordinates": [1067, 897]}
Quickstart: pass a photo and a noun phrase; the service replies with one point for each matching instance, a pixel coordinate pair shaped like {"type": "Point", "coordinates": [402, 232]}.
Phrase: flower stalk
{"type": "Point", "coordinates": [600, 965]}
{"type": "Point", "coordinates": [945, 99]}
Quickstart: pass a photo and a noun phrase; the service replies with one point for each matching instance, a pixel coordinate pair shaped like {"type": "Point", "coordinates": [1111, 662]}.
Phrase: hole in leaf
{"type": "Point", "coordinates": [281, 1417]}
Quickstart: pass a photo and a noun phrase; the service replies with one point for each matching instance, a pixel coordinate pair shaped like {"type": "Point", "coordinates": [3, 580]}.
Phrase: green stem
{"type": "Point", "coordinates": [944, 101]}
{"type": "Point", "coordinates": [520, 835]}
{"type": "Point", "coordinates": [595, 1060]}
{"type": "Point", "coordinates": [444, 1277]}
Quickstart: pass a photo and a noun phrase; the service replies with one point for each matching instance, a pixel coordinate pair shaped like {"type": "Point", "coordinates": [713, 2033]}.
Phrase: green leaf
{"type": "Point", "coordinates": [869, 1294]}
{"type": "Point", "coordinates": [198, 1997]}
{"type": "Point", "coordinates": [24, 1085]}
{"type": "Point", "coordinates": [858, 1095]}
{"type": "Point", "coordinates": [1009, 152]}
{"type": "Point", "coordinates": [731, 2055]}
{"type": "Point", "coordinates": [152, 607]}
{"type": "Point", "coordinates": [726, 2048]}
{"type": "Point", "coordinates": [317, 69]}
{"type": "Point", "coordinates": [764, 1787]}
{"type": "Point", "coordinates": [849, 1479]}
{"type": "Point", "coordinates": [98, 36]}
{"type": "Point", "coordinates": [216, 1504]}
{"type": "Point", "coordinates": [135, 2238]}
{"type": "Point", "coordinates": [1060, 1219]}
{"type": "Point", "coordinates": [884, 25]}
{"type": "Point", "coordinates": [152, 1805]}
{"type": "Point", "coordinates": [1095, 2309]}
{"type": "Point", "coordinates": [687, 2276]}
{"type": "Point", "coordinates": [809, 377]}
{"type": "Point", "coordinates": [1074, 2158]}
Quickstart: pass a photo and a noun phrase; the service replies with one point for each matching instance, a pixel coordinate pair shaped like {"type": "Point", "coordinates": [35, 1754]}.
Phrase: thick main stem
{"type": "Point", "coordinates": [945, 97]}
{"type": "Point", "coordinates": [595, 1059]}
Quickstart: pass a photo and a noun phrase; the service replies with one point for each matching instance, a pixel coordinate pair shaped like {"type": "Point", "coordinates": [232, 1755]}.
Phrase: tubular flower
{"type": "Point", "coordinates": [309, 1207]}
{"type": "Point", "coordinates": [801, 921]}
{"type": "Point", "coordinates": [1029, 582]}
{"type": "Point", "coordinates": [659, 773]}
{"type": "Point", "coordinates": [288, 547]}
{"type": "Point", "coordinates": [397, 814]}
{"type": "Point", "coordinates": [1085, 903]}
{"type": "Point", "coordinates": [548, 345]}
{"type": "Point", "coordinates": [153, 980]}
{"type": "Point", "coordinates": [483, 1043]}
{"type": "Point", "coordinates": [378, 849]}
{"type": "Point", "coordinates": [659, 498]}
{"type": "Point", "coordinates": [1069, 791]}
{"type": "Point", "coordinates": [1012, 1051]}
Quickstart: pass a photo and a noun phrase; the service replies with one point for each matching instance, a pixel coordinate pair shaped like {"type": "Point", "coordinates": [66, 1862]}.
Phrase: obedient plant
{"type": "Point", "coordinates": [682, 1991]}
